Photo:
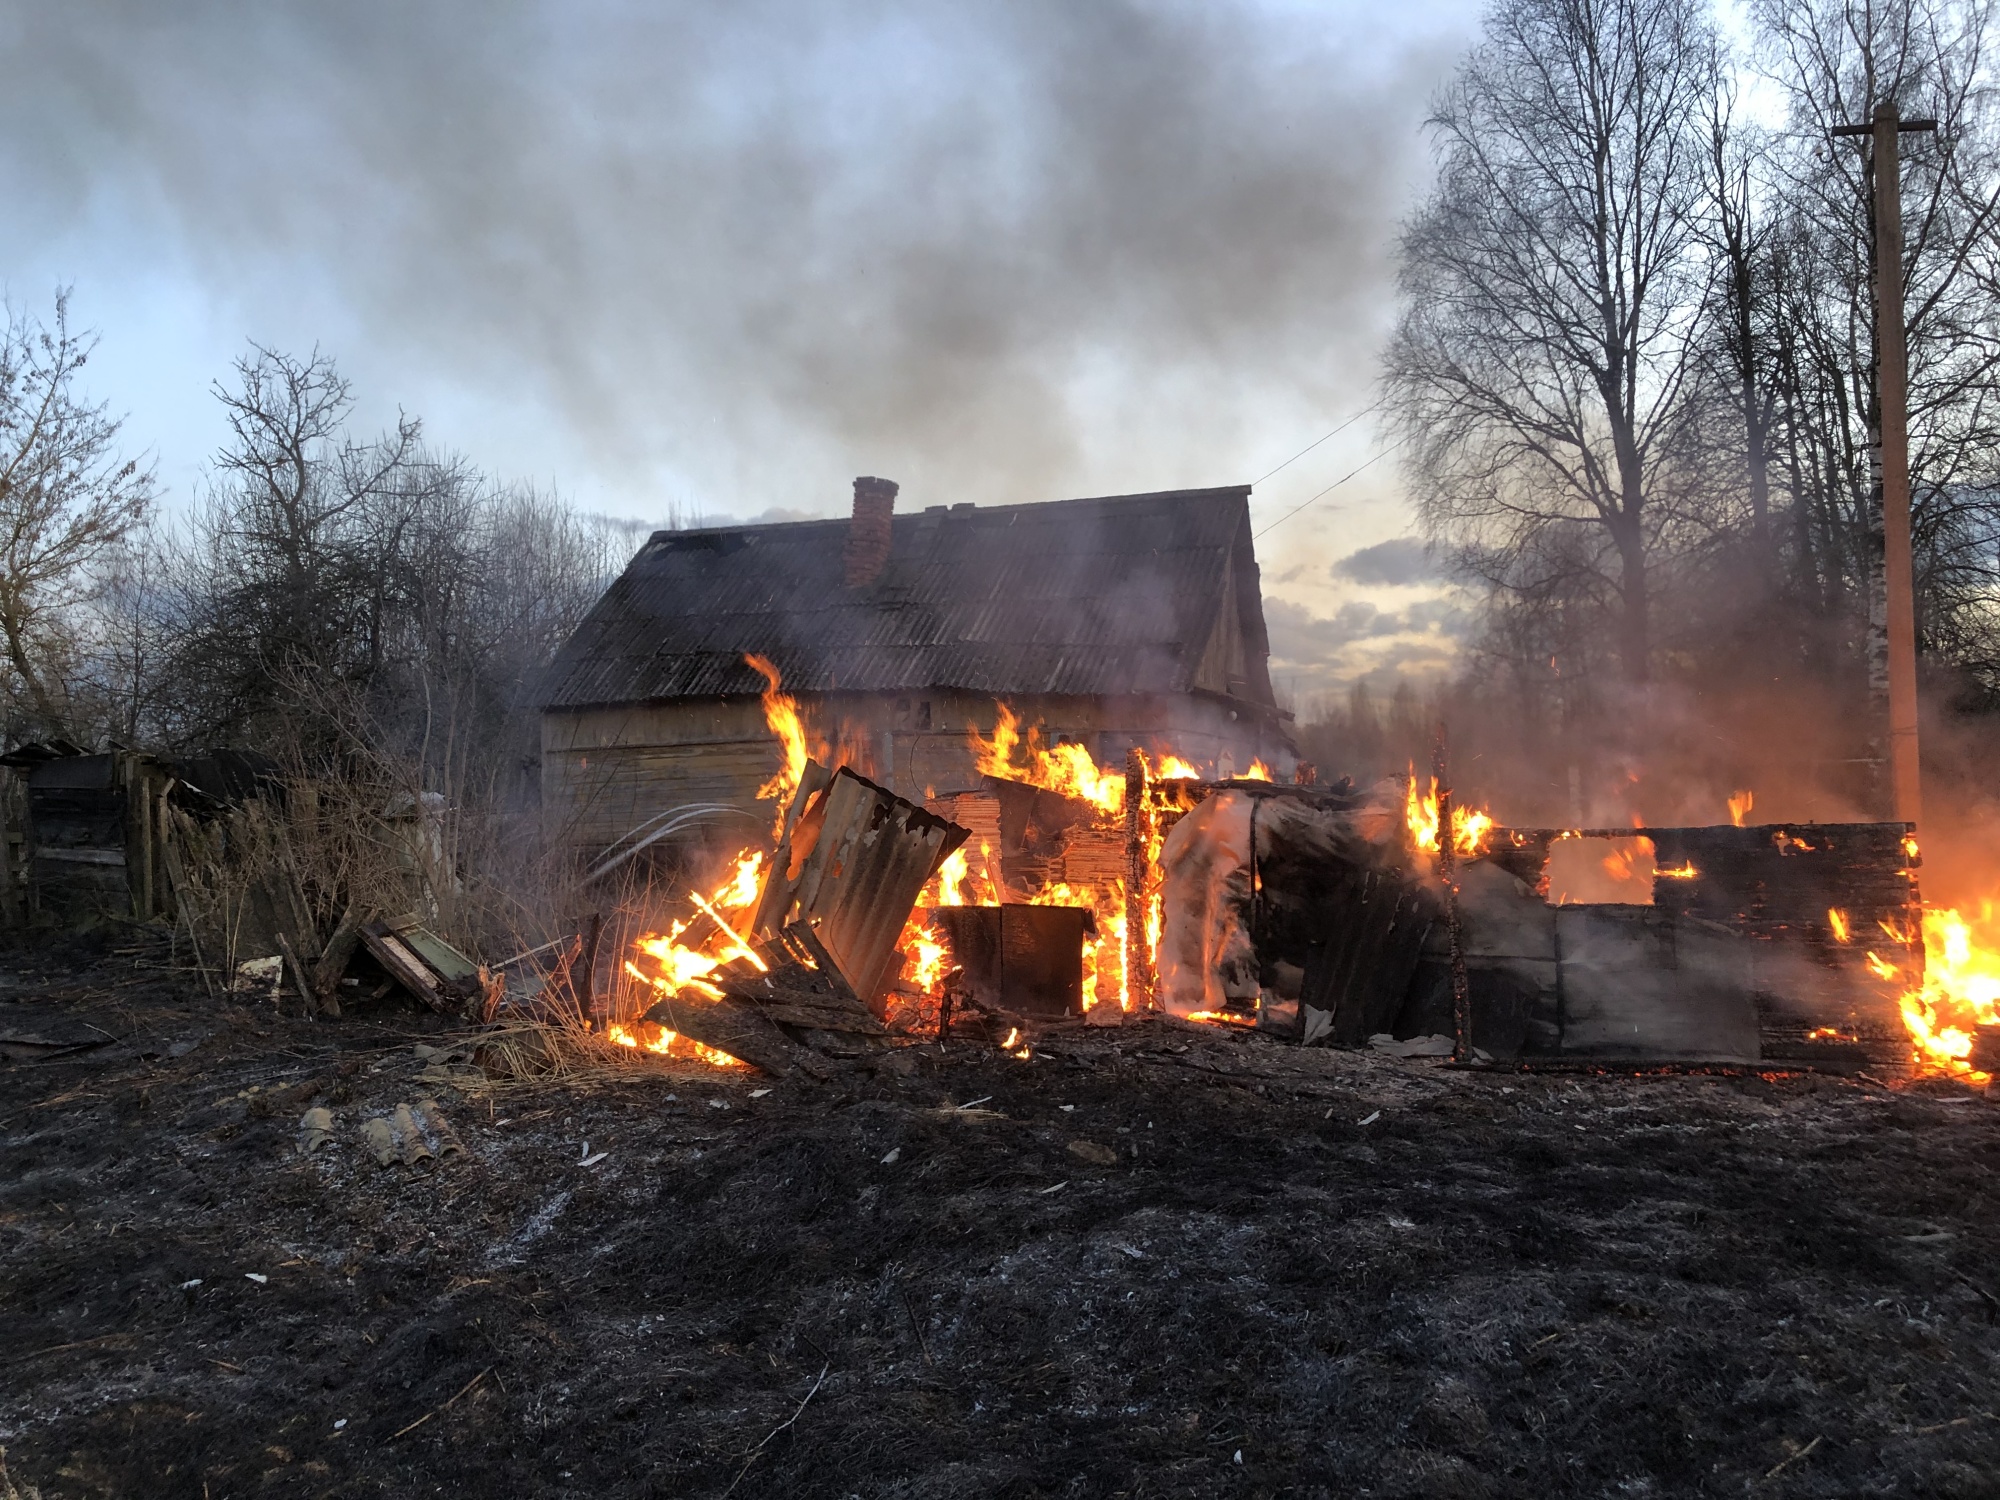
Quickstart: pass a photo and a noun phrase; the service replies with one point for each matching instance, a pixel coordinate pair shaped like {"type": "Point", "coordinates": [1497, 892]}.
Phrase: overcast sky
{"type": "Point", "coordinates": [723, 257]}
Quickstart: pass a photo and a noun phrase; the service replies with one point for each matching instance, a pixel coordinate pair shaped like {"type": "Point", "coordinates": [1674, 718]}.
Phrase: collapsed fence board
{"type": "Point", "coordinates": [1754, 950]}
{"type": "Point", "coordinates": [779, 1007]}
{"type": "Point", "coordinates": [852, 868]}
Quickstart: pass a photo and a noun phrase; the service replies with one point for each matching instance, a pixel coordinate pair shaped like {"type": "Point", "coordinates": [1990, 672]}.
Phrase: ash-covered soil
{"type": "Point", "coordinates": [1156, 1261]}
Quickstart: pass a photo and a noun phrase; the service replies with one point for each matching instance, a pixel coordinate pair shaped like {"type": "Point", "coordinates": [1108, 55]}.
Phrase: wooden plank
{"type": "Point", "coordinates": [404, 966]}
{"type": "Point", "coordinates": [733, 1027]}
{"type": "Point", "coordinates": [801, 980]}
{"type": "Point", "coordinates": [811, 1018]}
{"type": "Point", "coordinates": [106, 857]}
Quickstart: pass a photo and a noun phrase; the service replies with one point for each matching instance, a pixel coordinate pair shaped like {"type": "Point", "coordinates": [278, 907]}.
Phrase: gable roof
{"type": "Point", "coordinates": [1121, 594]}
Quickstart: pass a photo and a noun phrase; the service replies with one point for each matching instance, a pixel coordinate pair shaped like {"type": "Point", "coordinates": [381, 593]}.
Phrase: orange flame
{"type": "Point", "coordinates": [1740, 804]}
{"type": "Point", "coordinates": [781, 716]}
{"type": "Point", "coordinates": [672, 1044]}
{"type": "Point", "coordinates": [1960, 992]}
{"type": "Point", "coordinates": [1837, 920]}
{"type": "Point", "coordinates": [682, 970]}
{"type": "Point", "coordinates": [1258, 772]}
{"type": "Point", "coordinates": [1065, 768]}
{"type": "Point", "coordinates": [1469, 827]}
{"type": "Point", "coordinates": [1618, 864]}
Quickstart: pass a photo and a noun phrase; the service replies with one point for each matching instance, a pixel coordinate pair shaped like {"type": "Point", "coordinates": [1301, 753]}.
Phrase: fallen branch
{"type": "Point", "coordinates": [915, 1327]}
{"type": "Point", "coordinates": [1783, 1464]}
{"type": "Point", "coordinates": [774, 1432]}
{"type": "Point", "coordinates": [446, 1407]}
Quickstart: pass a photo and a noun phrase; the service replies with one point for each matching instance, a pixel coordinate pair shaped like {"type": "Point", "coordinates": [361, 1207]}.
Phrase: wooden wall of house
{"type": "Point", "coordinates": [605, 771]}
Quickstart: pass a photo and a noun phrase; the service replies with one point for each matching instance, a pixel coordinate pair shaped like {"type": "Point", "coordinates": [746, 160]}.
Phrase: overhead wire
{"type": "Point", "coordinates": [1316, 442]}
{"type": "Point", "coordinates": [1327, 491]}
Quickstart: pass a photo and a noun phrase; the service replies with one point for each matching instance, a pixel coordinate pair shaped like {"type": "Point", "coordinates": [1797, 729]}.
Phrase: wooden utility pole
{"type": "Point", "coordinates": [1893, 436]}
{"type": "Point", "coordinates": [1461, 989]}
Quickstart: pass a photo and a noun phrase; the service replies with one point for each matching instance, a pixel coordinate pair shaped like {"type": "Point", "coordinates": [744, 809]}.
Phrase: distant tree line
{"type": "Point", "coordinates": [352, 604]}
{"type": "Point", "coordinates": [1633, 371]}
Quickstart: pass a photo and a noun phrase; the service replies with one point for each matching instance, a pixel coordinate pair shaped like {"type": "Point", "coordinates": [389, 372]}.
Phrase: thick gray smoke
{"type": "Point", "coordinates": [1001, 249]}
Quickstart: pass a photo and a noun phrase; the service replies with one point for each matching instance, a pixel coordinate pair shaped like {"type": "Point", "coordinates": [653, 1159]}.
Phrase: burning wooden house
{"type": "Point", "coordinates": [1026, 763]}
{"type": "Point", "coordinates": [1132, 620]}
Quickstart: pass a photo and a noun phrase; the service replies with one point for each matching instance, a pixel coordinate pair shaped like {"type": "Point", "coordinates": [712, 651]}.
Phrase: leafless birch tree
{"type": "Point", "coordinates": [1542, 366]}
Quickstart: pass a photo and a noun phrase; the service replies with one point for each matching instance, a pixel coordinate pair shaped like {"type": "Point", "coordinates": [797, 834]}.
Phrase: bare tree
{"type": "Point", "coordinates": [1740, 234]}
{"type": "Point", "coordinates": [1541, 369]}
{"type": "Point", "coordinates": [1835, 60]}
{"type": "Point", "coordinates": [67, 502]}
{"type": "Point", "coordinates": [297, 560]}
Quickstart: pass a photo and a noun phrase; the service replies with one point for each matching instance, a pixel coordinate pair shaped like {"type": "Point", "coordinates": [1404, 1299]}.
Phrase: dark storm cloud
{"type": "Point", "coordinates": [1400, 562]}
{"type": "Point", "coordinates": [897, 236]}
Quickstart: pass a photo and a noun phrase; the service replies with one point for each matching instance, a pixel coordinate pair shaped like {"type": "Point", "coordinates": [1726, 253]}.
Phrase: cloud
{"type": "Point", "coordinates": [723, 246]}
{"type": "Point", "coordinates": [1399, 563]}
{"type": "Point", "coordinates": [1319, 653]}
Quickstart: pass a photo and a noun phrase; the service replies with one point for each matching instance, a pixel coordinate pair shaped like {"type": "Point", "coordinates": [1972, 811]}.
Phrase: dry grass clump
{"type": "Point", "coordinates": [8, 1491]}
{"type": "Point", "coordinates": [530, 1054]}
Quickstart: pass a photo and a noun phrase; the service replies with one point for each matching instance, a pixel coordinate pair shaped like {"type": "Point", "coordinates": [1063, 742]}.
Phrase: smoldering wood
{"type": "Point", "coordinates": [1328, 911]}
{"type": "Point", "coordinates": [800, 986]}
{"type": "Point", "coordinates": [1372, 925]}
{"type": "Point", "coordinates": [1139, 987]}
{"type": "Point", "coordinates": [740, 1029]}
{"type": "Point", "coordinates": [1734, 963]}
{"type": "Point", "coordinates": [1737, 964]}
{"type": "Point", "coordinates": [598, 1013]}
{"type": "Point", "coordinates": [784, 868]}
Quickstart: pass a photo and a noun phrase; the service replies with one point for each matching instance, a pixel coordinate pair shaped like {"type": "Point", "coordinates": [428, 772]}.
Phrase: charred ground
{"type": "Point", "coordinates": [1226, 1267]}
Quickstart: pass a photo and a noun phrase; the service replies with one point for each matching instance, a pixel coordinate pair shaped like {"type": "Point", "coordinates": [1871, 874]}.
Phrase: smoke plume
{"type": "Point", "coordinates": [999, 249]}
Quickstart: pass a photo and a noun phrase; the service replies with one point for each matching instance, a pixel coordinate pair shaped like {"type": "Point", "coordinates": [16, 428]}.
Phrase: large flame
{"type": "Point", "coordinates": [1065, 768]}
{"type": "Point", "coordinates": [679, 970]}
{"type": "Point", "coordinates": [679, 961]}
{"type": "Point", "coordinates": [781, 716]}
{"type": "Point", "coordinates": [1022, 754]}
{"type": "Point", "coordinates": [1961, 988]}
{"type": "Point", "coordinates": [1740, 804]}
{"type": "Point", "coordinates": [1469, 826]}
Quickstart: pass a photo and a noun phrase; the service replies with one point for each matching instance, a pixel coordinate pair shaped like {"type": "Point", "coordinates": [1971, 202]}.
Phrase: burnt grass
{"type": "Point", "coordinates": [1228, 1268]}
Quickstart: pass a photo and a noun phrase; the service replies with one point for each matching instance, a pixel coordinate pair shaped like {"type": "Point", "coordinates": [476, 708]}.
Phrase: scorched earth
{"type": "Point", "coordinates": [1157, 1260]}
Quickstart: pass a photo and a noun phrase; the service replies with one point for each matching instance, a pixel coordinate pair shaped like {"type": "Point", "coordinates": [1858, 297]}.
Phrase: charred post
{"type": "Point", "coordinates": [1138, 962]}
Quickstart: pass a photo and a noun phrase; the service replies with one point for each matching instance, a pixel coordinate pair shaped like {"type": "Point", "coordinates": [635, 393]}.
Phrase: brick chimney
{"type": "Point", "coordinates": [867, 550]}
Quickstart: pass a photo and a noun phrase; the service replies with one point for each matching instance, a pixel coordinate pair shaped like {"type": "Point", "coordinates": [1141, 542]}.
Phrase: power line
{"type": "Point", "coordinates": [1315, 443]}
{"type": "Point", "coordinates": [1327, 491]}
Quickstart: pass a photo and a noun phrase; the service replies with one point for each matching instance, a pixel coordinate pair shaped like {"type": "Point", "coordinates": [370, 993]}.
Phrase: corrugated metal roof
{"type": "Point", "coordinates": [1111, 595]}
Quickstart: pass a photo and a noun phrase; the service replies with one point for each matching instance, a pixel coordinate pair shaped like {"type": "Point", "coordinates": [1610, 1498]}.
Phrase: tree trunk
{"type": "Point", "coordinates": [1635, 644]}
{"type": "Point", "coordinates": [17, 657]}
{"type": "Point", "coordinates": [1628, 534]}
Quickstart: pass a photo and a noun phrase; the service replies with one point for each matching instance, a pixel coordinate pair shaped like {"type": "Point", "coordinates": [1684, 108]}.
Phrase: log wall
{"type": "Point", "coordinates": [605, 771]}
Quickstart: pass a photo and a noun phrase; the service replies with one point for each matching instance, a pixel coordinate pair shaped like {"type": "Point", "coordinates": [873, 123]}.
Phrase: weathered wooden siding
{"type": "Point", "coordinates": [605, 771]}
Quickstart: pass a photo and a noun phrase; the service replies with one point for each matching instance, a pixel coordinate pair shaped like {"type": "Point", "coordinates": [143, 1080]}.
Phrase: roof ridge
{"type": "Point", "coordinates": [1220, 492]}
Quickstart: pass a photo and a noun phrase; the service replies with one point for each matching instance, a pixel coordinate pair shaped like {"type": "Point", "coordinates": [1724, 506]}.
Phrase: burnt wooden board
{"type": "Point", "coordinates": [404, 966]}
{"type": "Point", "coordinates": [731, 1026]}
